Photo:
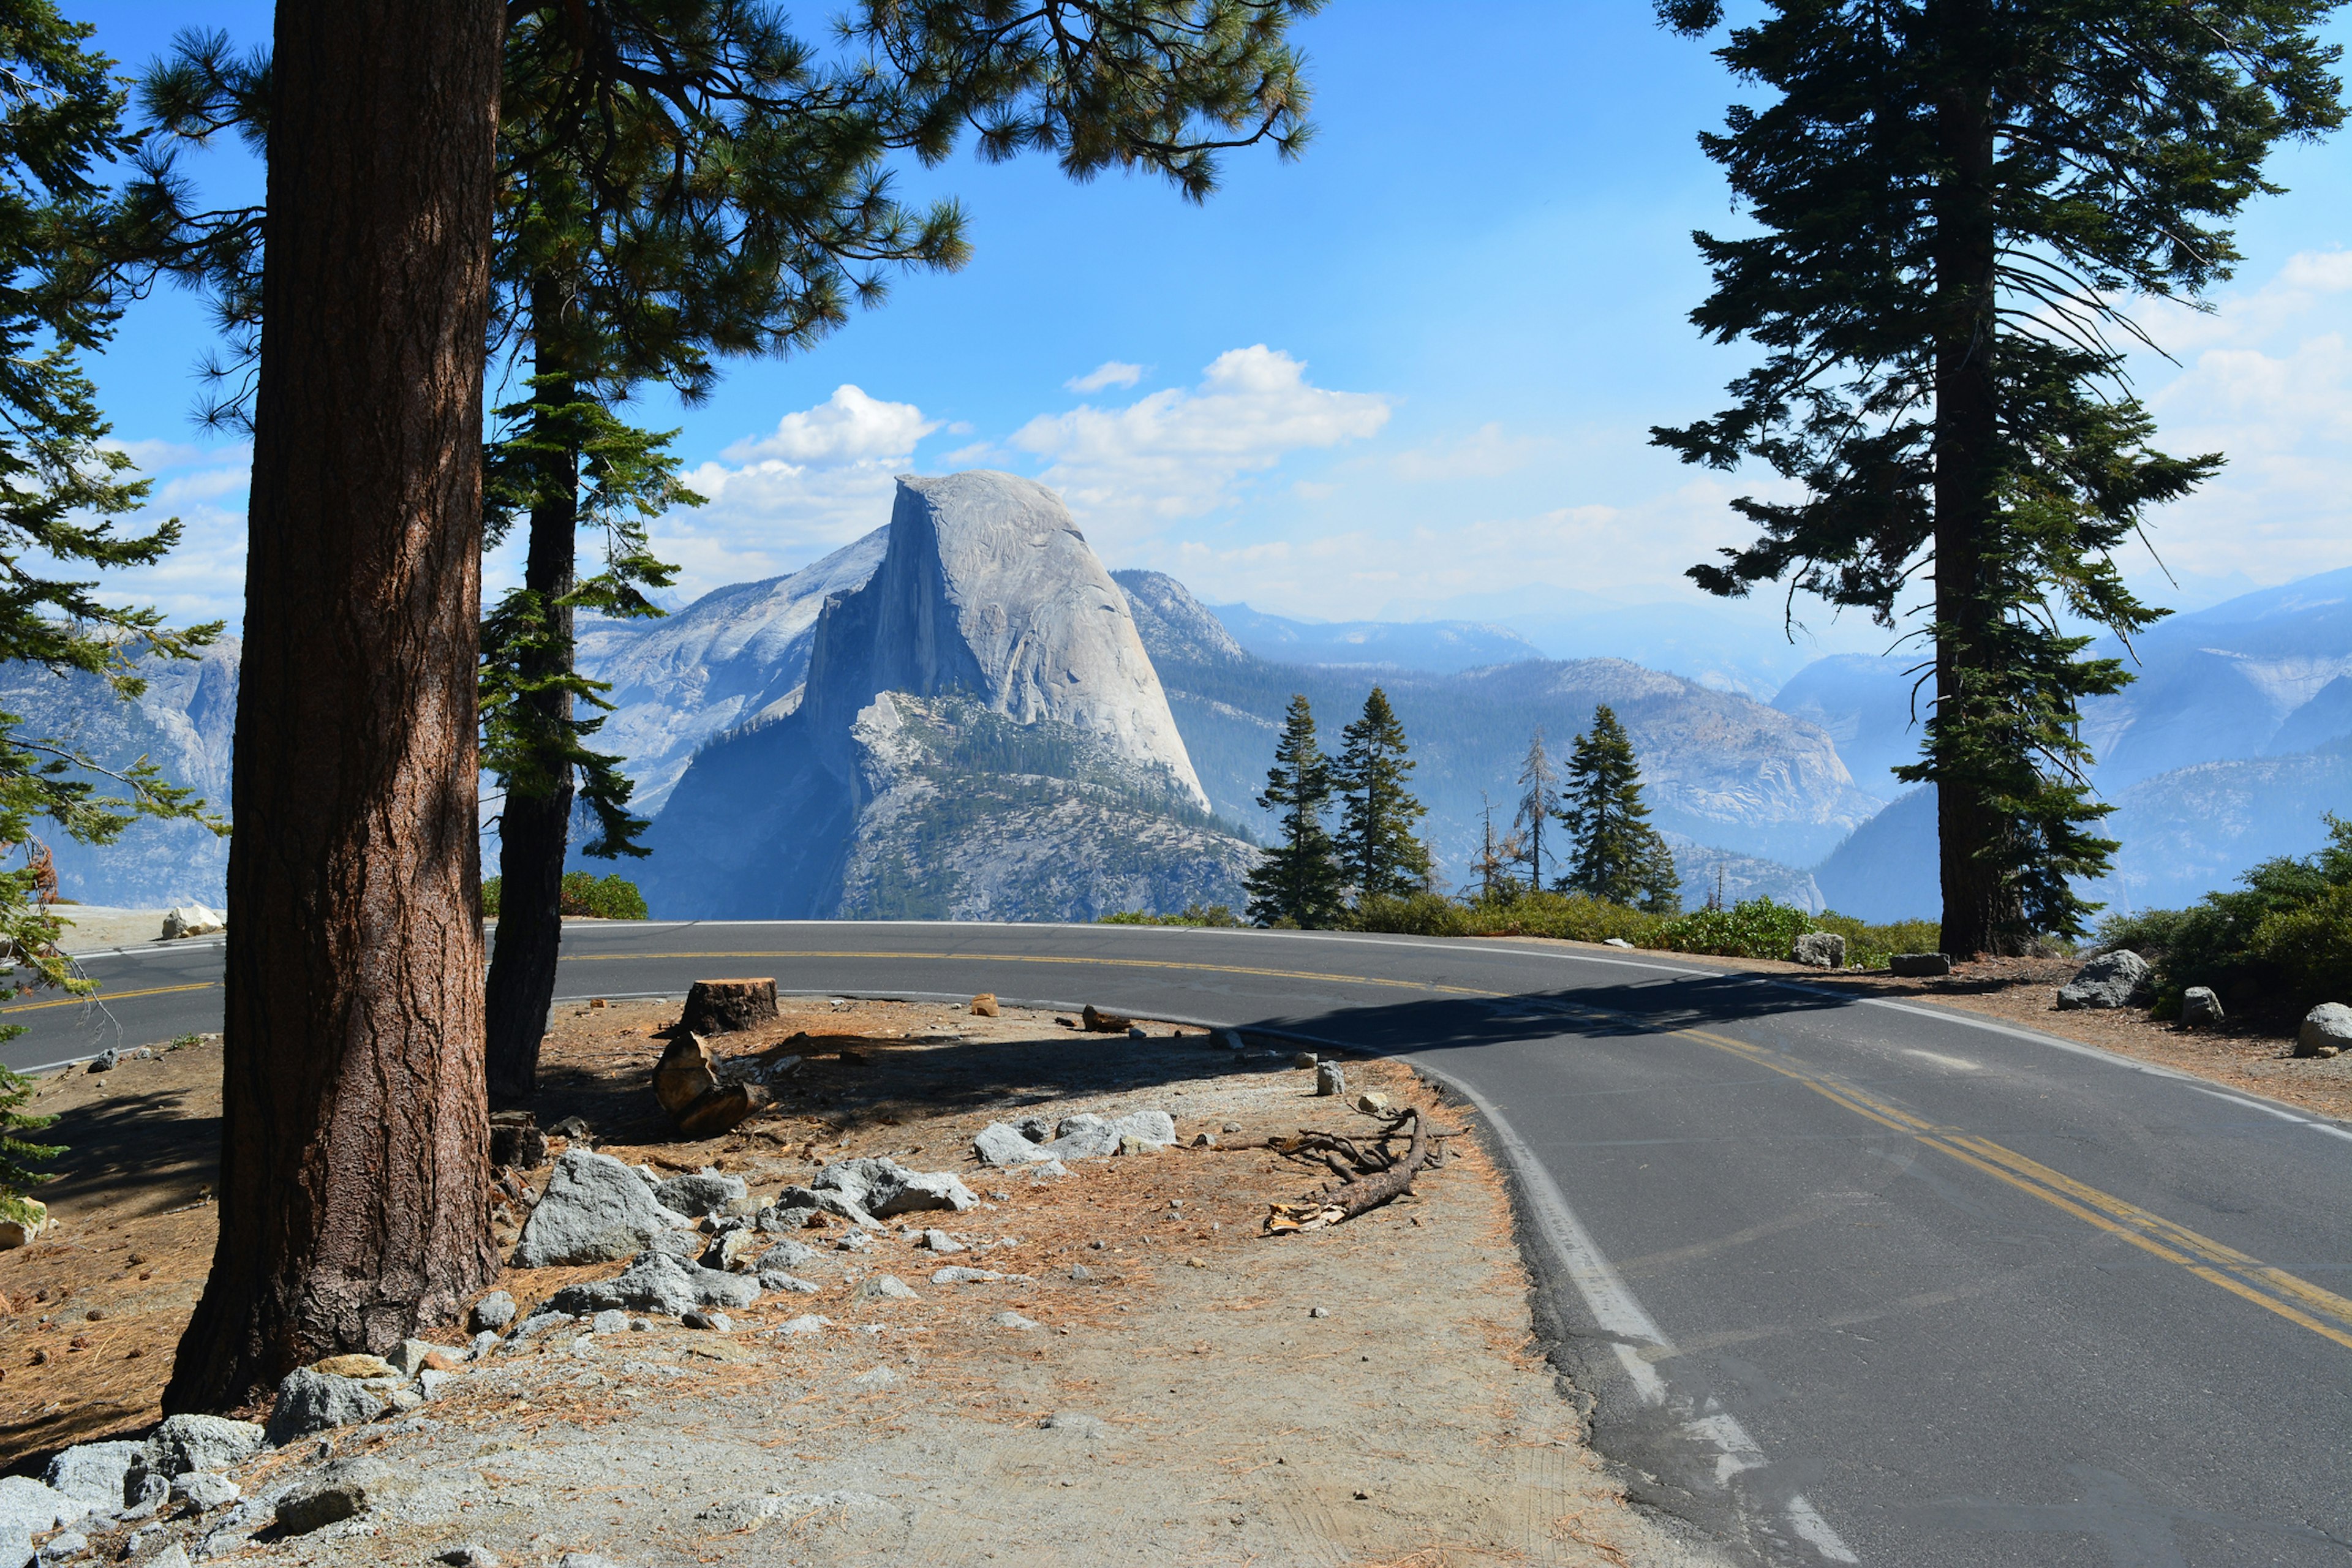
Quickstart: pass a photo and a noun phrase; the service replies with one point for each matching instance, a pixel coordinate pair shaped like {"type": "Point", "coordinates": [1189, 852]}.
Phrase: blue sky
{"type": "Point", "coordinates": [1408, 374]}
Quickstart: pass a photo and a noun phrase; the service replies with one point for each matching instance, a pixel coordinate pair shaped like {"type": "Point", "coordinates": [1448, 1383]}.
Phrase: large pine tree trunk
{"type": "Point", "coordinates": [1978, 910]}
{"type": "Point", "coordinates": [534, 827]}
{"type": "Point", "coordinates": [354, 1135]}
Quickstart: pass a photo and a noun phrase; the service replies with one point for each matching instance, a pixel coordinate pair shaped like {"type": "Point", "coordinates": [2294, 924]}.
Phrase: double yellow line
{"type": "Point", "coordinates": [2296, 1299]}
{"type": "Point", "coordinates": [109, 996]}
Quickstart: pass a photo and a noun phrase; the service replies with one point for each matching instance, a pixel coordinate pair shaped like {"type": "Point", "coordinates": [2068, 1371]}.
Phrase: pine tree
{"type": "Point", "coordinates": [1955, 201]}
{"type": "Point", "coordinates": [59, 486]}
{"type": "Point", "coordinates": [1615, 852]}
{"type": "Point", "coordinates": [1299, 880]}
{"type": "Point", "coordinates": [1538, 803]}
{"type": "Point", "coordinates": [1377, 843]}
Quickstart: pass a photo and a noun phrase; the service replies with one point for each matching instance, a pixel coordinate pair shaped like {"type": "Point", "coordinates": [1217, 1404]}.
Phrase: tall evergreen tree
{"type": "Point", "coordinates": [1538, 803]}
{"type": "Point", "coordinates": [1299, 880]}
{"type": "Point", "coordinates": [1614, 852]}
{"type": "Point", "coordinates": [1954, 200]}
{"type": "Point", "coordinates": [60, 118]}
{"type": "Point", "coordinates": [1378, 848]}
{"type": "Point", "coordinates": [354, 1138]}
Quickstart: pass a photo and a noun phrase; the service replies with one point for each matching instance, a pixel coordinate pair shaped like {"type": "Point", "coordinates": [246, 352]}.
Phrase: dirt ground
{"type": "Point", "coordinates": [1177, 1401]}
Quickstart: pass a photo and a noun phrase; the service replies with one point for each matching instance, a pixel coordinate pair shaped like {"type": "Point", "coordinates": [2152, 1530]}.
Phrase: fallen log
{"type": "Point", "coordinates": [1352, 1198]}
{"type": "Point", "coordinates": [1100, 1022]}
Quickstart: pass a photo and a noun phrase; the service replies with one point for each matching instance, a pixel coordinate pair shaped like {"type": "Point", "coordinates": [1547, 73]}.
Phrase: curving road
{"type": "Point", "coordinates": [1847, 1280]}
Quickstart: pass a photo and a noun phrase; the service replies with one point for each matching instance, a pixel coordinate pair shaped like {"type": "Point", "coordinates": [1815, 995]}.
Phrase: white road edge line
{"type": "Point", "coordinates": [1617, 1311]}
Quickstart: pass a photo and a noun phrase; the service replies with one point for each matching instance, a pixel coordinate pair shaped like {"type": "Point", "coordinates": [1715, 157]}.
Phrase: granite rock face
{"type": "Point", "coordinates": [981, 734]}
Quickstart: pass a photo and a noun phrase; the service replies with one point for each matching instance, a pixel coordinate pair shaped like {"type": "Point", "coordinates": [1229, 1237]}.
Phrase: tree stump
{"type": "Point", "coordinates": [515, 1141]}
{"type": "Point", "coordinates": [722, 1006]}
{"type": "Point", "coordinates": [1101, 1023]}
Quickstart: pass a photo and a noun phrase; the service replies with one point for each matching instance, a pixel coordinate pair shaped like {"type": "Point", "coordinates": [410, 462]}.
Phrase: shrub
{"type": "Point", "coordinates": [2273, 946]}
{"type": "Point", "coordinates": [1753, 928]}
{"type": "Point", "coordinates": [18, 1154]}
{"type": "Point", "coordinates": [1871, 945]}
{"type": "Point", "coordinates": [1194, 914]}
{"type": "Point", "coordinates": [611, 897]}
{"type": "Point", "coordinates": [1414, 914]}
{"type": "Point", "coordinates": [1571, 916]}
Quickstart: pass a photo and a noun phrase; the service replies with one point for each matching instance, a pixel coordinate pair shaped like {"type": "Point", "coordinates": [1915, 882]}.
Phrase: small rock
{"type": "Point", "coordinates": [1329, 1079]}
{"type": "Point", "coordinates": [1134, 1032]}
{"type": "Point", "coordinates": [885, 1187]}
{"type": "Point", "coordinates": [738, 1251]}
{"type": "Point", "coordinates": [984, 1005]}
{"type": "Point", "coordinates": [1232, 1127]}
{"type": "Point", "coordinates": [310, 1400]}
{"type": "Point", "coordinates": [1000, 1145]}
{"type": "Point", "coordinates": [787, 1284]}
{"type": "Point", "coordinates": [60, 1547]}
{"type": "Point", "coordinates": [878, 1377]}
{"type": "Point", "coordinates": [1011, 1320]}
{"type": "Point", "coordinates": [91, 1474]}
{"type": "Point", "coordinates": [706, 1194]}
{"type": "Point", "coordinates": [808, 1324]}
{"type": "Point", "coordinates": [585, 1559]}
{"type": "Point", "coordinates": [856, 1241]}
{"type": "Point", "coordinates": [1318, 1311]}
{"type": "Point", "coordinates": [957, 1275]}
{"type": "Point", "coordinates": [1920, 965]}
{"type": "Point", "coordinates": [884, 1287]}
{"type": "Point", "coordinates": [407, 1359]}
{"type": "Point", "coordinates": [940, 1241]}
{"type": "Point", "coordinates": [1305, 1059]}
{"type": "Point", "coordinates": [2119, 979]}
{"type": "Point", "coordinates": [191, 919]}
{"type": "Point", "coordinates": [105, 1061]}
{"type": "Point", "coordinates": [715, 1320]}
{"type": "Point", "coordinates": [655, 1282]}
{"type": "Point", "coordinates": [185, 1443]}
{"type": "Point", "coordinates": [2326, 1030]}
{"type": "Point", "coordinates": [469, 1556]}
{"type": "Point", "coordinates": [484, 1343]}
{"type": "Point", "coordinates": [574, 1129]}
{"type": "Point", "coordinates": [493, 1311]}
{"type": "Point", "coordinates": [203, 1489]}
{"type": "Point", "coordinates": [595, 1210]}
{"type": "Point", "coordinates": [1372, 1103]}
{"type": "Point", "coordinates": [1819, 950]}
{"type": "Point", "coordinates": [345, 1488]}
{"type": "Point", "coordinates": [1232, 1040]}
{"type": "Point", "coordinates": [2198, 1005]}
{"type": "Point", "coordinates": [1073, 1421]}
{"type": "Point", "coordinates": [1047, 1171]}
{"type": "Point", "coordinates": [611, 1321]}
{"type": "Point", "coordinates": [174, 1555]}
{"type": "Point", "coordinates": [1605, 942]}
{"type": "Point", "coordinates": [432, 1384]}
{"type": "Point", "coordinates": [1081, 1273]}
{"type": "Point", "coordinates": [28, 1508]}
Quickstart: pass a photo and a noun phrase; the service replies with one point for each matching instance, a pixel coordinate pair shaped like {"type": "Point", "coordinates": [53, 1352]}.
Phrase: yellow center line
{"type": "Point", "coordinates": [110, 996]}
{"type": "Point", "coordinates": [2297, 1299]}
{"type": "Point", "coordinates": [1042, 958]}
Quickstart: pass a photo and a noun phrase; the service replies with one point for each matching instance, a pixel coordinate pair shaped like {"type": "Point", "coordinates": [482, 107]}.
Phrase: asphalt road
{"type": "Point", "coordinates": [1848, 1281]}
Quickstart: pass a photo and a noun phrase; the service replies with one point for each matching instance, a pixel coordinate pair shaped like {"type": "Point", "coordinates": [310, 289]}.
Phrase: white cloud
{"type": "Point", "coordinates": [1177, 453]}
{"type": "Point", "coordinates": [846, 427]}
{"type": "Point", "coordinates": [1110, 372]}
{"type": "Point", "coordinates": [1486, 453]}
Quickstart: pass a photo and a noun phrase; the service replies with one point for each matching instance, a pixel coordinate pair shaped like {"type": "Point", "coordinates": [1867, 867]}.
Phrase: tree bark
{"type": "Point", "coordinates": [1977, 908]}
{"type": "Point", "coordinates": [354, 1206]}
{"type": "Point", "coordinates": [535, 826]}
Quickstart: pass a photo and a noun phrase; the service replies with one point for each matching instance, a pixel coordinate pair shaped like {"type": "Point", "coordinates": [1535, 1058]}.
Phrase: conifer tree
{"type": "Point", "coordinates": [1954, 203]}
{"type": "Point", "coordinates": [1299, 880]}
{"type": "Point", "coordinates": [1538, 803]}
{"type": "Point", "coordinates": [1378, 848]}
{"type": "Point", "coordinates": [1614, 853]}
{"type": "Point", "coordinates": [60, 119]}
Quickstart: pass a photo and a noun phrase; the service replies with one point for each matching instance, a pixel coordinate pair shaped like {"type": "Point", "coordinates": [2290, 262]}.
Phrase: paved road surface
{"type": "Point", "coordinates": [1849, 1280]}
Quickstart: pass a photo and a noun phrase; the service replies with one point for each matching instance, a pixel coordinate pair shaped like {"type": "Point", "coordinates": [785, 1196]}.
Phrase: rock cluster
{"type": "Point", "coordinates": [1081, 1137]}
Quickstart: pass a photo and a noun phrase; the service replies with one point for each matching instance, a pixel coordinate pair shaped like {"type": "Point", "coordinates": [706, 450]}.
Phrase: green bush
{"type": "Point", "coordinates": [1195, 914]}
{"type": "Point", "coordinates": [1871, 945]}
{"type": "Point", "coordinates": [1415, 914]}
{"type": "Point", "coordinates": [1568, 917]}
{"type": "Point", "coordinates": [1753, 928]}
{"type": "Point", "coordinates": [2271, 947]}
{"type": "Point", "coordinates": [611, 897]}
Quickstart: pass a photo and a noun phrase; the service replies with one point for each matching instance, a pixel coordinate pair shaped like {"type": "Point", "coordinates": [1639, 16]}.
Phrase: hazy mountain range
{"type": "Point", "coordinates": [2236, 738]}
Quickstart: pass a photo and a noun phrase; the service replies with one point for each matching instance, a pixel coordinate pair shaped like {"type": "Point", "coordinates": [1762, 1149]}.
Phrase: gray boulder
{"type": "Point", "coordinates": [1920, 965]}
{"type": "Point", "coordinates": [342, 1490]}
{"type": "Point", "coordinates": [91, 1474]}
{"type": "Point", "coordinates": [702, 1194]}
{"type": "Point", "coordinates": [2117, 979]}
{"type": "Point", "coordinates": [656, 1282]}
{"type": "Point", "coordinates": [205, 1490]}
{"type": "Point", "coordinates": [311, 1402]}
{"type": "Point", "coordinates": [795, 1205]}
{"type": "Point", "coordinates": [28, 1508]}
{"type": "Point", "coordinates": [2198, 1005]}
{"type": "Point", "coordinates": [184, 1444]}
{"type": "Point", "coordinates": [493, 1311]}
{"type": "Point", "coordinates": [885, 1187]}
{"type": "Point", "coordinates": [789, 1253]}
{"type": "Point", "coordinates": [1331, 1078]}
{"type": "Point", "coordinates": [1819, 950]}
{"type": "Point", "coordinates": [1089, 1137]}
{"type": "Point", "coordinates": [595, 1210]}
{"type": "Point", "coordinates": [1000, 1146]}
{"type": "Point", "coordinates": [2327, 1031]}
